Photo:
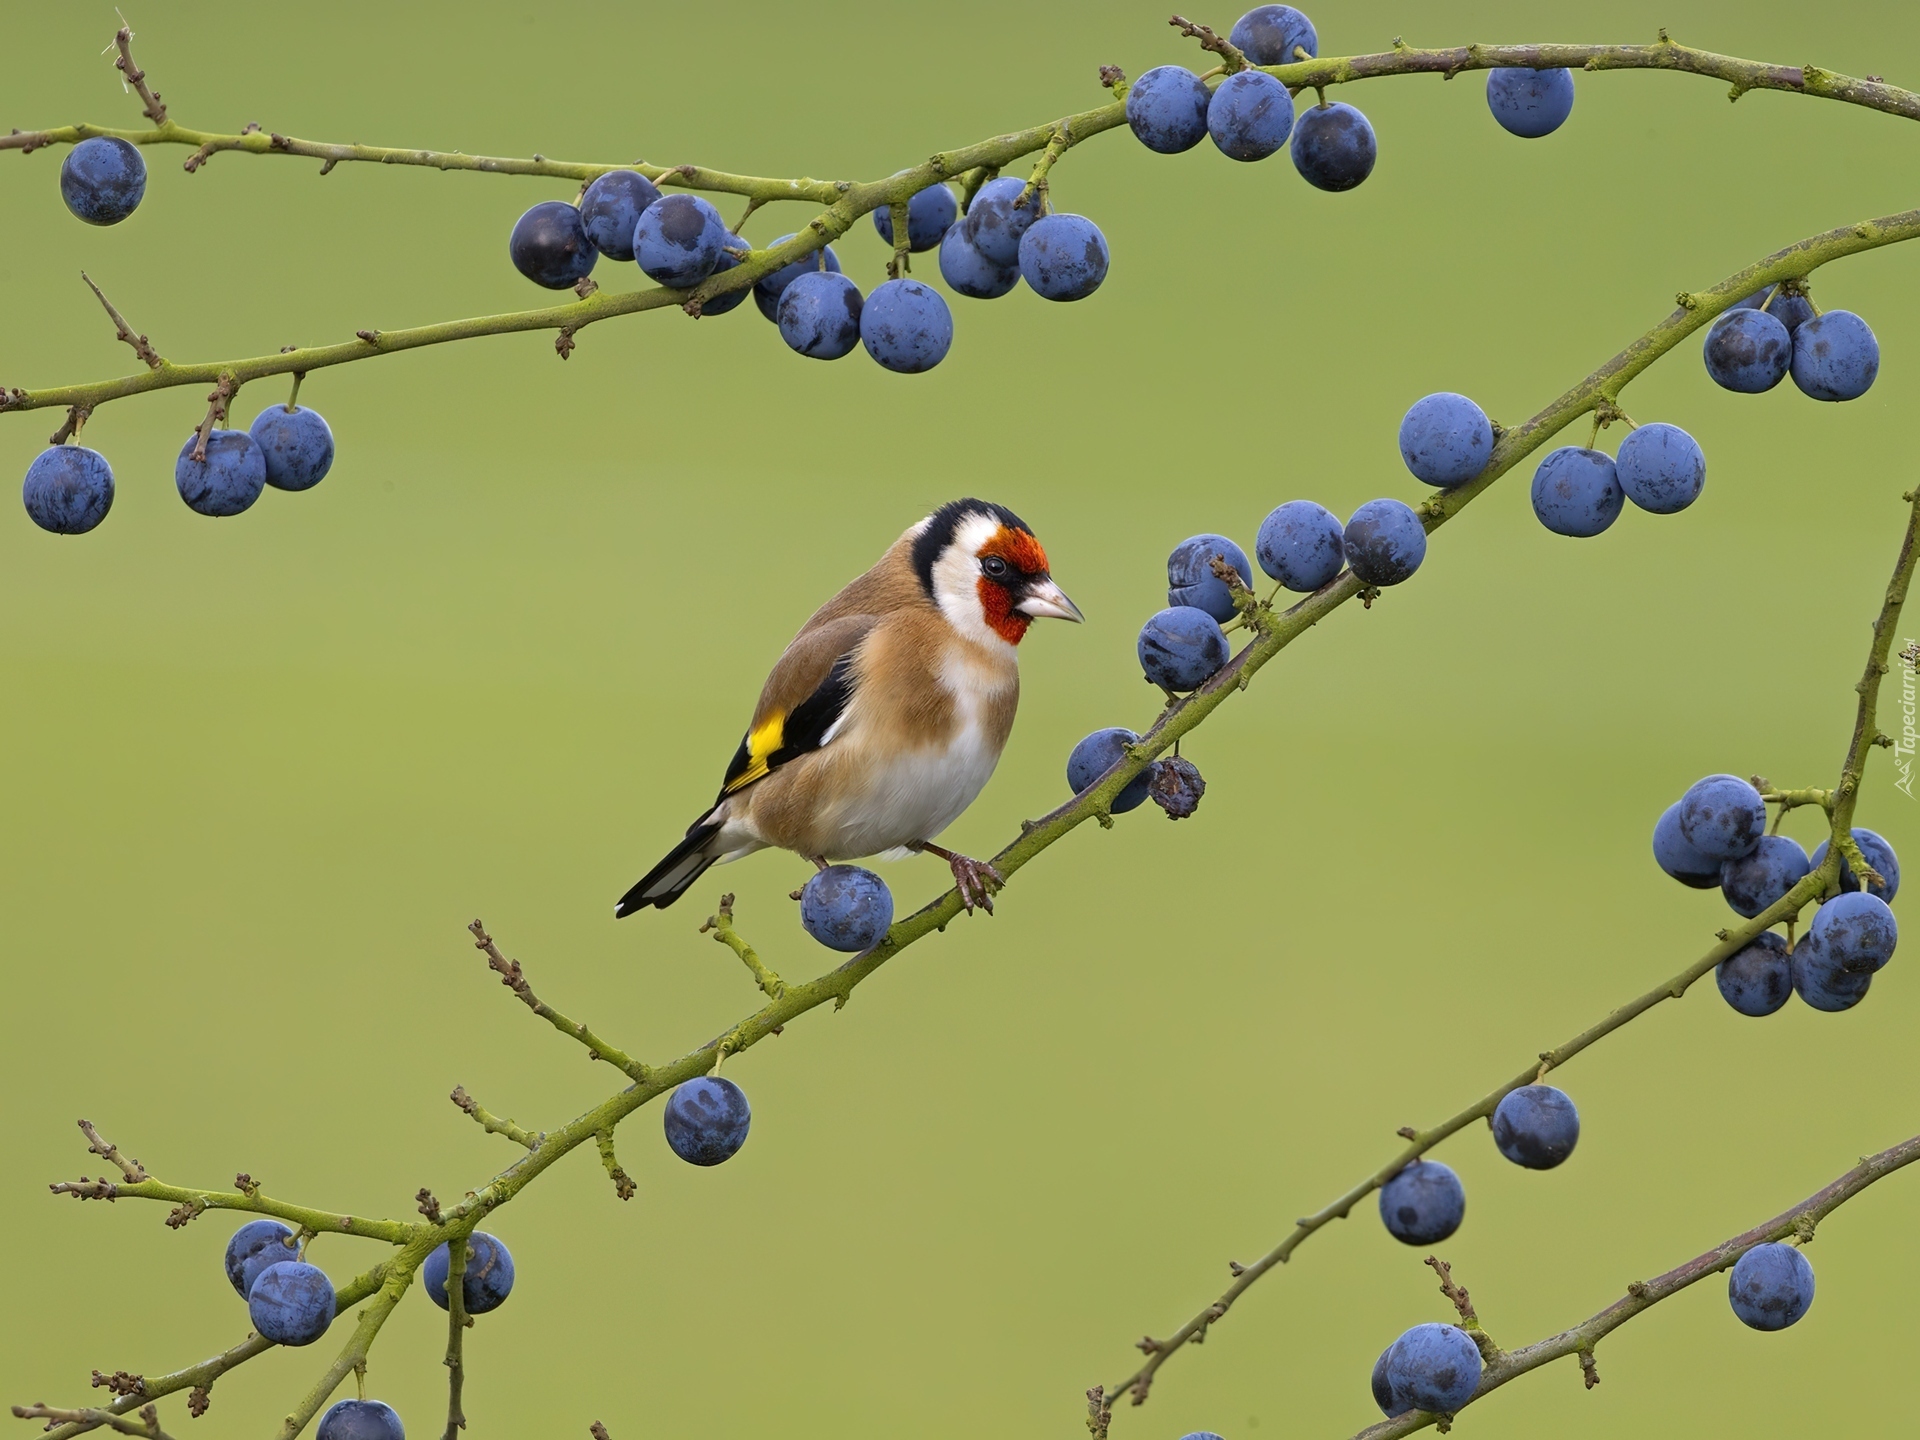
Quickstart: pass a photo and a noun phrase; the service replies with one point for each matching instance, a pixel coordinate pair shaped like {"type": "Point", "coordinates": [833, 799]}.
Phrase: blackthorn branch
{"type": "Point", "coordinates": [1839, 805]}
{"type": "Point", "coordinates": [845, 202]}
{"type": "Point", "coordinates": [1579, 1340]}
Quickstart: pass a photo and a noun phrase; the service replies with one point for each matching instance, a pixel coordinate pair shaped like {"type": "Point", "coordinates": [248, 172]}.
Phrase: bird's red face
{"type": "Point", "coordinates": [987, 573]}
{"type": "Point", "coordinates": [1010, 561]}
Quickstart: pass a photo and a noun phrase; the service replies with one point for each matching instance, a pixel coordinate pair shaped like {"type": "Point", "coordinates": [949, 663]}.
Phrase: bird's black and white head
{"type": "Point", "coordinates": [983, 567]}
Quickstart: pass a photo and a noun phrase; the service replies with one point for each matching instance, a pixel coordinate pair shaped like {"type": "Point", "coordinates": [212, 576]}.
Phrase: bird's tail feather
{"type": "Point", "coordinates": [676, 873]}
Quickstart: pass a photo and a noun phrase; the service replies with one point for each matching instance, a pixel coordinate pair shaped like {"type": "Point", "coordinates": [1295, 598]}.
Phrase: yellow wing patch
{"type": "Point", "coordinates": [761, 743]}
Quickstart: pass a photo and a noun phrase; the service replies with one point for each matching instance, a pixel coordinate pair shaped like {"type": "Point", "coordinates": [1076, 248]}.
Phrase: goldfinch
{"type": "Point", "coordinates": [886, 715]}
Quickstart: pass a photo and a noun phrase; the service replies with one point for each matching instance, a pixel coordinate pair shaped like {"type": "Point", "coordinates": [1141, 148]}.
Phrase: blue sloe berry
{"type": "Point", "coordinates": [820, 315]}
{"type": "Point", "coordinates": [1879, 854]}
{"type": "Point", "coordinates": [1819, 980]}
{"type": "Point", "coordinates": [846, 908]}
{"type": "Point", "coordinates": [1382, 1386]}
{"type": "Point", "coordinates": [295, 444]}
{"type": "Point", "coordinates": [929, 213]}
{"type": "Point", "coordinates": [1099, 753]}
{"type": "Point", "coordinates": [550, 247]}
{"type": "Point", "coordinates": [291, 1303]}
{"type": "Point", "coordinates": [1790, 310]}
{"type": "Point", "coordinates": [484, 1284]}
{"type": "Point", "coordinates": [768, 289]}
{"type": "Point", "coordinates": [228, 480]}
{"type": "Point", "coordinates": [1763, 875]}
{"type": "Point", "coordinates": [969, 272]}
{"type": "Point", "coordinates": [906, 326]}
{"type": "Point", "coordinates": [1577, 492]}
{"type": "Point", "coordinates": [1190, 577]}
{"type": "Point", "coordinates": [1269, 34]}
{"type": "Point", "coordinates": [1423, 1204]}
{"type": "Point", "coordinates": [68, 489]}
{"type": "Point", "coordinates": [732, 299]}
{"type": "Point", "coordinates": [360, 1420]}
{"type": "Point", "coordinates": [1747, 351]}
{"type": "Point", "coordinates": [1757, 978]}
{"type": "Point", "coordinates": [1770, 1287]}
{"type": "Point", "coordinates": [1676, 855]}
{"type": "Point", "coordinates": [997, 221]}
{"type": "Point", "coordinates": [1835, 356]}
{"type": "Point", "coordinates": [706, 1120]}
{"type": "Point", "coordinates": [1180, 647]}
{"type": "Point", "coordinates": [1445, 439]}
{"type": "Point", "coordinates": [1723, 817]}
{"type": "Point", "coordinates": [1167, 109]}
{"type": "Point", "coordinates": [611, 209]}
{"type": "Point", "coordinates": [678, 241]}
{"type": "Point", "coordinates": [1334, 146]}
{"type": "Point", "coordinates": [254, 1246]}
{"type": "Point", "coordinates": [103, 180]}
{"type": "Point", "coordinates": [1249, 116]}
{"type": "Point", "coordinates": [1385, 542]}
{"type": "Point", "coordinates": [1857, 931]}
{"type": "Point", "coordinates": [1063, 257]}
{"type": "Point", "coordinates": [1661, 468]}
{"type": "Point", "coordinates": [1536, 1126]}
{"type": "Point", "coordinates": [1433, 1367]}
{"type": "Point", "coordinates": [1301, 545]}
{"type": "Point", "coordinates": [1530, 103]}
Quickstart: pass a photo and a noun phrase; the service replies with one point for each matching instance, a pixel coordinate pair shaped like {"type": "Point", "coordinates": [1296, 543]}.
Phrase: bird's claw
{"type": "Point", "coordinates": [976, 880]}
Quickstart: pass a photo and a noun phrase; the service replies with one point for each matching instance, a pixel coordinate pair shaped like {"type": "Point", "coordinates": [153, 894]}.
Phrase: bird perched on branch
{"type": "Point", "coordinates": [886, 715]}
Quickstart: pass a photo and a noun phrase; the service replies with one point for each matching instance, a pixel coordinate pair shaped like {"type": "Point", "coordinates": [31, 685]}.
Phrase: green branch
{"type": "Point", "coordinates": [1814, 885]}
{"type": "Point", "coordinates": [1580, 1339]}
{"type": "Point", "coordinates": [843, 201]}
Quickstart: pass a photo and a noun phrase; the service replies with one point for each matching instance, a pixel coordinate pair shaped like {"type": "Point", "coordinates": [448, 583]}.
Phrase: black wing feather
{"type": "Point", "coordinates": [805, 730]}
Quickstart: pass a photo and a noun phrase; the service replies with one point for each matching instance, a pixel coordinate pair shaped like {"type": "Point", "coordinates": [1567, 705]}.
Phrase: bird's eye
{"type": "Point", "coordinates": [994, 567]}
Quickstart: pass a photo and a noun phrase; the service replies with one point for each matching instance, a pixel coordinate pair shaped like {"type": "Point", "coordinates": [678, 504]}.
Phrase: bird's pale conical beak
{"type": "Point", "coordinates": [1047, 601]}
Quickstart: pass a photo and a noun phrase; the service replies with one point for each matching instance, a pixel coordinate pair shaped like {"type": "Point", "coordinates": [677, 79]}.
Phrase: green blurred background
{"type": "Point", "coordinates": [258, 774]}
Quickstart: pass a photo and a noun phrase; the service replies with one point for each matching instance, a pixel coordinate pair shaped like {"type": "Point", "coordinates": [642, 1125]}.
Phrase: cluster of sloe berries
{"type": "Point", "coordinates": [1715, 835]}
{"type": "Point", "coordinates": [679, 240]}
{"type": "Point", "coordinates": [69, 488]}
{"type": "Point", "coordinates": [1446, 440]}
{"type": "Point", "coordinates": [1777, 332]}
{"type": "Point", "coordinates": [292, 1303]}
{"type": "Point", "coordinates": [1249, 115]}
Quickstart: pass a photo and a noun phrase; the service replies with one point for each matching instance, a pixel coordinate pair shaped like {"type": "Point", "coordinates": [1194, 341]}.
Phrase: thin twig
{"type": "Point", "coordinates": [720, 923]}
{"type": "Point", "coordinates": [623, 1185]}
{"type": "Point", "coordinates": [77, 415]}
{"type": "Point", "coordinates": [515, 980]}
{"type": "Point", "coordinates": [217, 403]}
{"type": "Point", "coordinates": [147, 1427]}
{"type": "Point", "coordinates": [136, 77]}
{"type": "Point", "coordinates": [123, 331]}
{"type": "Point", "coordinates": [457, 1324]}
{"type": "Point", "coordinates": [1233, 60]}
{"type": "Point", "coordinates": [492, 1123]}
{"type": "Point", "coordinates": [109, 1153]}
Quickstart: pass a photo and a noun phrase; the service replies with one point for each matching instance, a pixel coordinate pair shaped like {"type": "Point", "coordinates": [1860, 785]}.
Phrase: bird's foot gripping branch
{"type": "Point", "coordinates": [994, 232]}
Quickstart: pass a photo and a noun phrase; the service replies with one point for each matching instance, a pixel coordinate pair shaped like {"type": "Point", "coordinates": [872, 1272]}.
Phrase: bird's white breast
{"type": "Point", "coordinates": [915, 794]}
